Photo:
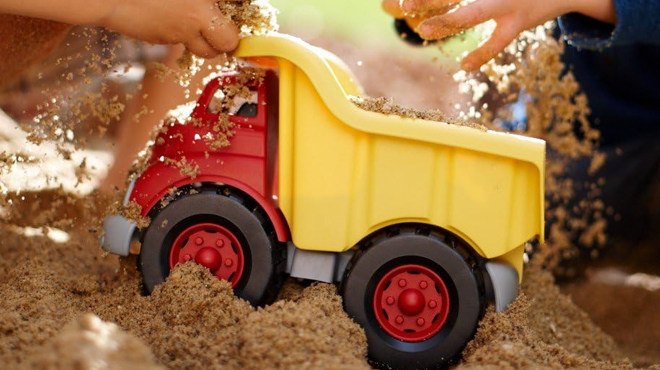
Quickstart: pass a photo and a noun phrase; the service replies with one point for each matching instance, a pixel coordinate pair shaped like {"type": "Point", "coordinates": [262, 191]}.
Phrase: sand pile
{"type": "Point", "coordinates": [541, 329]}
{"type": "Point", "coordinates": [625, 304]}
{"type": "Point", "coordinates": [89, 342]}
{"type": "Point", "coordinates": [50, 287]}
{"type": "Point", "coordinates": [311, 332]}
{"type": "Point", "coordinates": [193, 321]}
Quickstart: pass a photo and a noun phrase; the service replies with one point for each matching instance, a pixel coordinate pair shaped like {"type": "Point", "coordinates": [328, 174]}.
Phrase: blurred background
{"type": "Point", "coordinates": [362, 34]}
{"type": "Point", "coordinates": [362, 21]}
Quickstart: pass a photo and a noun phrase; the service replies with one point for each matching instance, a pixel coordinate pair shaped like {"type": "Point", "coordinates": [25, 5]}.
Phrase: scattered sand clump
{"type": "Point", "coordinates": [253, 17]}
{"type": "Point", "coordinates": [530, 73]}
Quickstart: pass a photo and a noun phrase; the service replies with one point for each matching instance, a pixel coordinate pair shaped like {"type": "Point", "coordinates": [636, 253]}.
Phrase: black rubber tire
{"type": "Point", "coordinates": [404, 246]}
{"type": "Point", "coordinates": [265, 260]}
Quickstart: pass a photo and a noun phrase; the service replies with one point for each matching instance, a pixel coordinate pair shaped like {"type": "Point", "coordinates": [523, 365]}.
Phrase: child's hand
{"type": "Point", "coordinates": [512, 18]}
{"type": "Point", "coordinates": [198, 24]}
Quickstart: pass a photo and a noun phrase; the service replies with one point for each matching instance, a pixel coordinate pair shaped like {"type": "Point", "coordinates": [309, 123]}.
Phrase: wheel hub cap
{"type": "Point", "coordinates": [211, 246]}
{"type": "Point", "coordinates": [209, 257]}
{"type": "Point", "coordinates": [411, 303]}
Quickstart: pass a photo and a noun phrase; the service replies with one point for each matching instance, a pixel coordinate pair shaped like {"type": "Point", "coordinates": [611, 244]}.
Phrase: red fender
{"type": "Point", "coordinates": [159, 178]}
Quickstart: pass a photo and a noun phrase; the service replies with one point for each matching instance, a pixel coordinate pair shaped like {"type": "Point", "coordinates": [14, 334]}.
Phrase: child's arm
{"type": "Point", "coordinates": [512, 18]}
{"type": "Point", "coordinates": [198, 24]}
{"type": "Point", "coordinates": [157, 97]}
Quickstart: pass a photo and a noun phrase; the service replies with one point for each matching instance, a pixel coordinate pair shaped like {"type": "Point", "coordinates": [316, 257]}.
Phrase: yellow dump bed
{"type": "Point", "coordinates": [346, 172]}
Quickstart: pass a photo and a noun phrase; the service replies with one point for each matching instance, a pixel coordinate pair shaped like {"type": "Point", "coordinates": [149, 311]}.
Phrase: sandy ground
{"type": "Point", "coordinates": [62, 300]}
{"type": "Point", "coordinates": [66, 305]}
{"type": "Point", "coordinates": [621, 294]}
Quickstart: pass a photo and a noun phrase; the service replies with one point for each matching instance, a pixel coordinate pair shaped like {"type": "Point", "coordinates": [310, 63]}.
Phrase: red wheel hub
{"type": "Point", "coordinates": [411, 303]}
{"type": "Point", "coordinates": [211, 246]}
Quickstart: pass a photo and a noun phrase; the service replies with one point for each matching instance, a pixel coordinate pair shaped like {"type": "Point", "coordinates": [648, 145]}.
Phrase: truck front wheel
{"type": "Point", "coordinates": [220, 230]}
{"type": "Point", "coordinates": [417, 298]}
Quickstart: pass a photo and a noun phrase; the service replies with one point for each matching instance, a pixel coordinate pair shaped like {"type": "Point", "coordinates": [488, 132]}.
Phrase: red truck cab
{"type": "Point", "coordinates": [249, 163]}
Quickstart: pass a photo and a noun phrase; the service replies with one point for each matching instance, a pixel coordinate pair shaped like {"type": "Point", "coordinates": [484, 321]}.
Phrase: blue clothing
{"type": "Point", "coordinates": [618, 68]}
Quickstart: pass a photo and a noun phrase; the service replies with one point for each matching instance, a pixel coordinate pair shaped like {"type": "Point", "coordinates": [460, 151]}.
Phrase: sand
{"type": "Point", "coordinates": [193, 321]}
{"type": "Point", "coordinates": [387, 106]}
{"type": "Point", "coordinates": [621, 293]}
{"type": "Point", "coordinates": [628, 313]}
{"type": "Point", "coordinates": [63, 296]}
{"type": "Point", "coordinates": [66, 304]}
{"type": "Point", "coordinates": [88, 342]}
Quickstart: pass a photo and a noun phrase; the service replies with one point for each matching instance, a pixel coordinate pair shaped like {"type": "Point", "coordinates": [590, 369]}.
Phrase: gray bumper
{"type": "Point", "coordinates": [505, 283]}
{"type": "Point", "coordinates": [118, 233]}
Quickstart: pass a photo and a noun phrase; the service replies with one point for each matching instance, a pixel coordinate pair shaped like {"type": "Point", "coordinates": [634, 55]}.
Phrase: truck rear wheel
{"type": "Point", "coordinates": [221, 231]}
{"type": "Point", "coordinates": [418, 298]}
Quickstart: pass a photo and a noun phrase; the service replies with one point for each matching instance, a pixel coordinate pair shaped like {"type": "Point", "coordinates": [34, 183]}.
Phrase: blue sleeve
{"type": "Point", "coordinates": [638, 22]}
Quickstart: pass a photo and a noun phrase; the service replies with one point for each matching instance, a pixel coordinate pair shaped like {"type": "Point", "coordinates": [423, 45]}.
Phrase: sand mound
{"type": "Point", "coordinates": [194, 321]}
{"type": "Point", "coordinates": [88, 343]}
{"type": "Point", "coordinates": [311, 332]}
{"type": "Point", "coordinates": [542, 329]}
{"type": "Point", "coordinates": [625, 308]}
{"type": "Point", "coordinates": [190, 322]}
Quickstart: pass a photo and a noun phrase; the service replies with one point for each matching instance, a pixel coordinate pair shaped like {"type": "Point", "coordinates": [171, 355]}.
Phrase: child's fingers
{"type": "Point", "coordinates": [461, 19]}
{"type": "Point", "coordinates": [414, 22]}
{"type": "Point", "coordinates": [418, 6]}
{"type": "Point", "coordinates": [221, 33]}
{"type": "Point", "coordinates": [393, 8]}
{"type": "Point", "coordinates": [200, 47]}
{"type": "Point", "coordinates": [503, 35]}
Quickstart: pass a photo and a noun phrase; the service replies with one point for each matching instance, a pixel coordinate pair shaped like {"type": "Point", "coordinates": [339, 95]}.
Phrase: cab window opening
{"type": "Point", "coordinates": [240, 106]}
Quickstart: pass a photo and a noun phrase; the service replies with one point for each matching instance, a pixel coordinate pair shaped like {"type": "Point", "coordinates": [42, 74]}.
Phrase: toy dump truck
{"type": "Point", "coordinates": [422, 223]}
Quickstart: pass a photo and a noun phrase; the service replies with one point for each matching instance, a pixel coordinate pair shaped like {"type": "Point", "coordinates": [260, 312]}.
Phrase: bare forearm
{"type": "Point", "coordinates": [198, 24]}
{"type": "Point", "coordinates": [79, 12]}
{"type": "Point", "coordinates": [156, 98]}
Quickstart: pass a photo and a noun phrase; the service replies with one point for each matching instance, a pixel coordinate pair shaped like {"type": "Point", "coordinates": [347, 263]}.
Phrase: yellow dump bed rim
{"type": "Point", "coordinates": [314, 63]}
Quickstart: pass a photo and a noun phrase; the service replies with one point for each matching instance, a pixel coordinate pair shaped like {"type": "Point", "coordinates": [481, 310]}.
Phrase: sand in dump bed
{"type": "Point", "coordinates": [389, 107]}
{"type": "Point", "coordinates": [50, 291]}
